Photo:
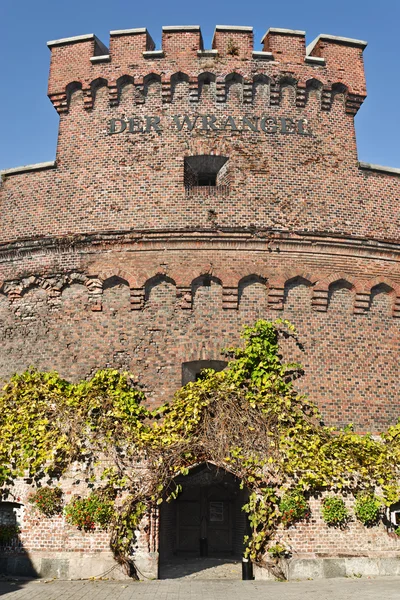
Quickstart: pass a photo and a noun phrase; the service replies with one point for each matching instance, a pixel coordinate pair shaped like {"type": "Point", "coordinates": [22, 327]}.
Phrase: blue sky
{"type": "Point", "coordinates": [28, 122]}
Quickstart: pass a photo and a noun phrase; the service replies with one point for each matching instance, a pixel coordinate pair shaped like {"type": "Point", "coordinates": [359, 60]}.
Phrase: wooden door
{"type": "Point", "coordinates": [188, 525]}
{"type": "Point", "coordinates": [206, 512]}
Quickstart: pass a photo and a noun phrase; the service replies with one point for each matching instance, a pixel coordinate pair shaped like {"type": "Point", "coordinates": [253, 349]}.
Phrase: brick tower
{"type": "Point", "coordinates": [195, 190]}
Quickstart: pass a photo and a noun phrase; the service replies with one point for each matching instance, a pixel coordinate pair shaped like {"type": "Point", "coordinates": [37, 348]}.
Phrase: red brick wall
{"type": "Point", "coordinates": [299, 231]}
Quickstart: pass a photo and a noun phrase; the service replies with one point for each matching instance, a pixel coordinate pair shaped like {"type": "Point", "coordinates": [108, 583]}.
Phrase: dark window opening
{"type": "Point", "coordinates": [207, 179]}
{"type": "Point", "coordinates": [206, 171]}
{"type": "Point", "coordinates": [191, 371]}
{"type": "Point", "coordinates": [10, 517]}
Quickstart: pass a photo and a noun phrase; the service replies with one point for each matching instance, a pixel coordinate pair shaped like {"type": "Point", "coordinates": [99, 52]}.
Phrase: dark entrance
{"type": "Point", "coordinates": [206, 519]}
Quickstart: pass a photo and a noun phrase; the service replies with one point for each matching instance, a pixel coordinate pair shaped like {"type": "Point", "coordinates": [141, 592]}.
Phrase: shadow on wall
{"type": "Point", "coordinates": [14, 560]}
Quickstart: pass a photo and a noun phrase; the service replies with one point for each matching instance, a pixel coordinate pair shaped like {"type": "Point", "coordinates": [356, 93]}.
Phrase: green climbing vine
{"type": "Point", "coordinates": [248, 419]}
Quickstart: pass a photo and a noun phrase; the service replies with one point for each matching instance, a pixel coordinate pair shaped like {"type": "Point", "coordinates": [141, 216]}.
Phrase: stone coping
{"type": "Point", "coordinates": [238, 28]}
{"type": "Point", "coordinates": [380, 168]}
{"type": "Point", "coordinates": [170, 28]}
{"type": "Point", "coordinates": [72, 40]}
{"type": "Point", "coordinates": [338, 39]}
{"type": "Point", "coordinates": [283, 32]}
{"type": "Point", "coordinates": [129, 31]}
{"type": "Point", "coordinates": [98, 45]}
{"type": "Point", "coordinates": [26, 168]}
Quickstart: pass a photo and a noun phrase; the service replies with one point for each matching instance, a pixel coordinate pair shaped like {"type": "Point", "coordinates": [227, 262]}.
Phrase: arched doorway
{"type": "Point", "coordinates": [205, 525]}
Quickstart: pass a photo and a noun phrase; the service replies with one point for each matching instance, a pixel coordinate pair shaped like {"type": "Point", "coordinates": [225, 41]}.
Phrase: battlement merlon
{"type": "Point", "coordinates": [328, 59]}
{"type": "Point", "coordinates": [342, 52]}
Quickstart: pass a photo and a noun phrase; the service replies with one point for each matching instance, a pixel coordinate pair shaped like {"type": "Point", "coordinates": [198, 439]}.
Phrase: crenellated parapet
{"type": "Point", "coordinates": [329, 66]}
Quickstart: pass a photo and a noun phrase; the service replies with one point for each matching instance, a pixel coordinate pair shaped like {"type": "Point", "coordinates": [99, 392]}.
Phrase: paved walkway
{"type": "Point", "coordinates": [387, 588]}
{"type": "Point", "coordinates": [201, 568]}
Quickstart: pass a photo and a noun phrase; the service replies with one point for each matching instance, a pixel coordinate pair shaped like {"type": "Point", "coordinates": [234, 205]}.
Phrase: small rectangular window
{"type": "Point", "coordinates": [206, 171]}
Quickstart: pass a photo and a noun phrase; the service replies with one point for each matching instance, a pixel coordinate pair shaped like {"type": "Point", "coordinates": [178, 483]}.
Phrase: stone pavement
{"type": "Point", "coordinates": [201, 568]}
{"type": "Point", "coordinates": [387, 588]}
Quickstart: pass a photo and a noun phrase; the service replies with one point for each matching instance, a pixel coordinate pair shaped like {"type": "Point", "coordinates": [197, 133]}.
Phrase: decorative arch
{"type": "Point", "coordinates": [151, 79]}
{"type": "Point", "coordinates": [234, 81]}
{"type": "Point", "coordinates": [34, 282]}
{"type": "Point", "coordinates": [294, 282]}
{"type": "Point", "coordinates": [338, 285]}
{"type": "Point", "coordinates": [339, 89]}
{"type": "Point", "coordinates": [287, 89]}
{"type": "Point", "coordinates": [96, 85]}
{"type": "Point", "coordinates": [121, 273]}
{"type": "Point", "coordinates": [206, 79]}
{"type": "Point", "coordinates": [204, 281]}
{"type": "Point", "coordinates": [249, 280]}
{"type": "Point", "coordinates": [336, 277]}
{"type": "Point", "coordinates": [314, 89]}
{"type": "Point", "coordinates": [69, 279]}
{"type": "Point", "coordinates": [115, 299]}
{"type": "Point", "coordinates": [179, 77]}
{"type": "Point", "coordinates": [154, 281]}
{"type": "Point", "coordinates": [123, 82]}
{"type": "Point", "coordinates": [395, 287]}
{"type": "Point", "coordinates": [261, 88]}
{"type": "Point", "coordinates": [74, 87]}
{"type": "Point", "coordinates": [385, 289]}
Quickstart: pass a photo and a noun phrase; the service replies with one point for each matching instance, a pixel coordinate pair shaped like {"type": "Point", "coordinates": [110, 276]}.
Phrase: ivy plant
{"type": "Point", "coordinates": [248, 419]}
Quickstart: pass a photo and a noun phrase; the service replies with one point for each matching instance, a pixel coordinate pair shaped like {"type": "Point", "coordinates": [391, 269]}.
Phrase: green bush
{"type": "Point", "coordinates": [91, 512]}
{"type": "Point", "coordinates": [334, 511]}
{"type": "Point", "coordinates": [367, 508]}
{"type": "Point", "coordinates": [47, 500]}
{"type": "Point", "coordinates": [293, 507]}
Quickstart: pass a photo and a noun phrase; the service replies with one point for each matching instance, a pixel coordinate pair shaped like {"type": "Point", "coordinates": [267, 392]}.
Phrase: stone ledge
{"type": "Point", "coordinates": [379, 168]}
{"type": "Point", "coordinates": [327, 568]}
{"type": "Point", "coordinates": [129, 31]}
{"type": "Point", "coordinates": [66, 565]}
{"type": "Point", "coordinates": [100, 59]}
{"type": "Point", "coordinates": [153, 54]}
{"type": "Point", "coordinates": [263, 55]}
{"type": "Point", "coordinates": [26, 168]}
{"type": "Point", "coordinates": [315, 60]}
{"type": "Point", "coordinates": [207, 53]}
{"type": "Point", "coordinates": [237, 240]}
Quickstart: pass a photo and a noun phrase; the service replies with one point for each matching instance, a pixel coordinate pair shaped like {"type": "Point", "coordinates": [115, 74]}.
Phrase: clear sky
{"type": "Point", "coordinates": [28, 122]}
